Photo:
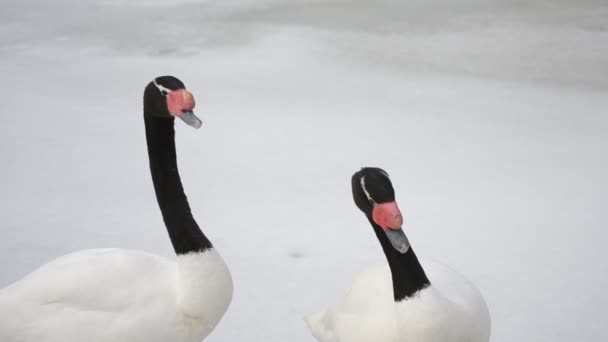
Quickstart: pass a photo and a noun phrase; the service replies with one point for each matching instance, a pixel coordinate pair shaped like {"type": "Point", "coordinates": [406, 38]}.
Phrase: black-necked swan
{"type": "Point", "coordinates": [117, 295]}
{"type": "Point", "coordinates": [404, 301]}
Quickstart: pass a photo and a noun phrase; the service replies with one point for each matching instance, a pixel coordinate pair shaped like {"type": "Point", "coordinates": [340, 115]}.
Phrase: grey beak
{"type": "Point", "coordinates": [191, 119]}
{"type": "Point", "coordinates": [398, 240]}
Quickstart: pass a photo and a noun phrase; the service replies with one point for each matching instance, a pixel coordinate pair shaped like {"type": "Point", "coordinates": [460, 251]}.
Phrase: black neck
{"type": "Point", "coordinates": [185, 234]}
{"type": "Point", "coordinates": [408, 275]}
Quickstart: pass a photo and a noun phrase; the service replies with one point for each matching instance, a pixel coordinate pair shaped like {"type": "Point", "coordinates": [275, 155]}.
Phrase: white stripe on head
{"type": "Point", "coordinates": [369, 197]}
{"type": "Point", "coordinates": [163, 90]}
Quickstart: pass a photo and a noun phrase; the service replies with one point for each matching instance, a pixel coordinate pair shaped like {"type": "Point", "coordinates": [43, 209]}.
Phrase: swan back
{"type": "Point", "coordinates": [115, 295]}
{"type": "Point", "coordinates": [451, 309]}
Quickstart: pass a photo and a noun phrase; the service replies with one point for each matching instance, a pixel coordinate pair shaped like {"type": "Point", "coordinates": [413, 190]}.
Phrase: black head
{"type": "Point", "coordinates": [166, 97]}
{"type": "Point", "coordinates": [371, 186]}
{"type": "Point", "coordinates": [374, 194]}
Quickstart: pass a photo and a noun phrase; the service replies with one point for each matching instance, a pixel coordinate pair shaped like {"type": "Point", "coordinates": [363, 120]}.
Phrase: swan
{"type": "Point", "coordinates": [402, 300]}
{"type": "Point", "coordinates": [118, 295]}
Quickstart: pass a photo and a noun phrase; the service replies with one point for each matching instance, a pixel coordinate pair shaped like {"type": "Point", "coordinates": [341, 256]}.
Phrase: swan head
{"type": "Point", "coordinates": [167, 97]}
{"type": "Point", "coordinates": [374, 195]}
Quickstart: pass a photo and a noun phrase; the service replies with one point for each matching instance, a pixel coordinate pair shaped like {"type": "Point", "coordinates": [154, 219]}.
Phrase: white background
{"type": "Point", "coordinates": [490, 116]}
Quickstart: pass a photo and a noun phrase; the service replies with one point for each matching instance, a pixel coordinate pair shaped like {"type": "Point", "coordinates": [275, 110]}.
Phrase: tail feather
{"type": "Point", "coordinates": [318, 329]}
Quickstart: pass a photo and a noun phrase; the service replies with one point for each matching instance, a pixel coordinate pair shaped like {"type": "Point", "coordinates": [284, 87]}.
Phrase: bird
{"type": "Point", "coordinates": [120, 295]}
{"type": "Point", "coordinates": [404, 299]}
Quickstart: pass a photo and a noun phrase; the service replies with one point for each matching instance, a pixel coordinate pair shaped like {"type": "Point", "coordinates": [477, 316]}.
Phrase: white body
{"type": "Point", "coordinates": [114, 295]}
{"type": "Point", "coordinates": [450, 310]}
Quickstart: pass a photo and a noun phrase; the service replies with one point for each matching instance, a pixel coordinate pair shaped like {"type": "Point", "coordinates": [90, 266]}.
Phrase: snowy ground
{"type": "Point", "coordinates": [490, 116]}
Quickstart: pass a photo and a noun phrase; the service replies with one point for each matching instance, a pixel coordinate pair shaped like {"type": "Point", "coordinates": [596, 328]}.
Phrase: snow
{"type": "Point", "coordinates": [489, 116]}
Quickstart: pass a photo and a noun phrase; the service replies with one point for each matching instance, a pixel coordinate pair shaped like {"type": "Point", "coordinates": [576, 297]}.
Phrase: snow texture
{"type": "Point", "coordinates": [490, 116]}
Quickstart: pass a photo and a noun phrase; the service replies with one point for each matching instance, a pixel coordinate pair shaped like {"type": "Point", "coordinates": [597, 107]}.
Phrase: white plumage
{"type": "Point", "coordinates": [104, 295]}
{"type": "Point", "coordinates": [450, 310]}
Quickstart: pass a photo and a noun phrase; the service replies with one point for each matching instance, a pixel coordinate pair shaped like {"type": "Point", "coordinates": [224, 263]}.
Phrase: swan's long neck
{"type": "Point", "coordinates": [407, 273]}
{"type": "Point", "coordinates": [185, 234]}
